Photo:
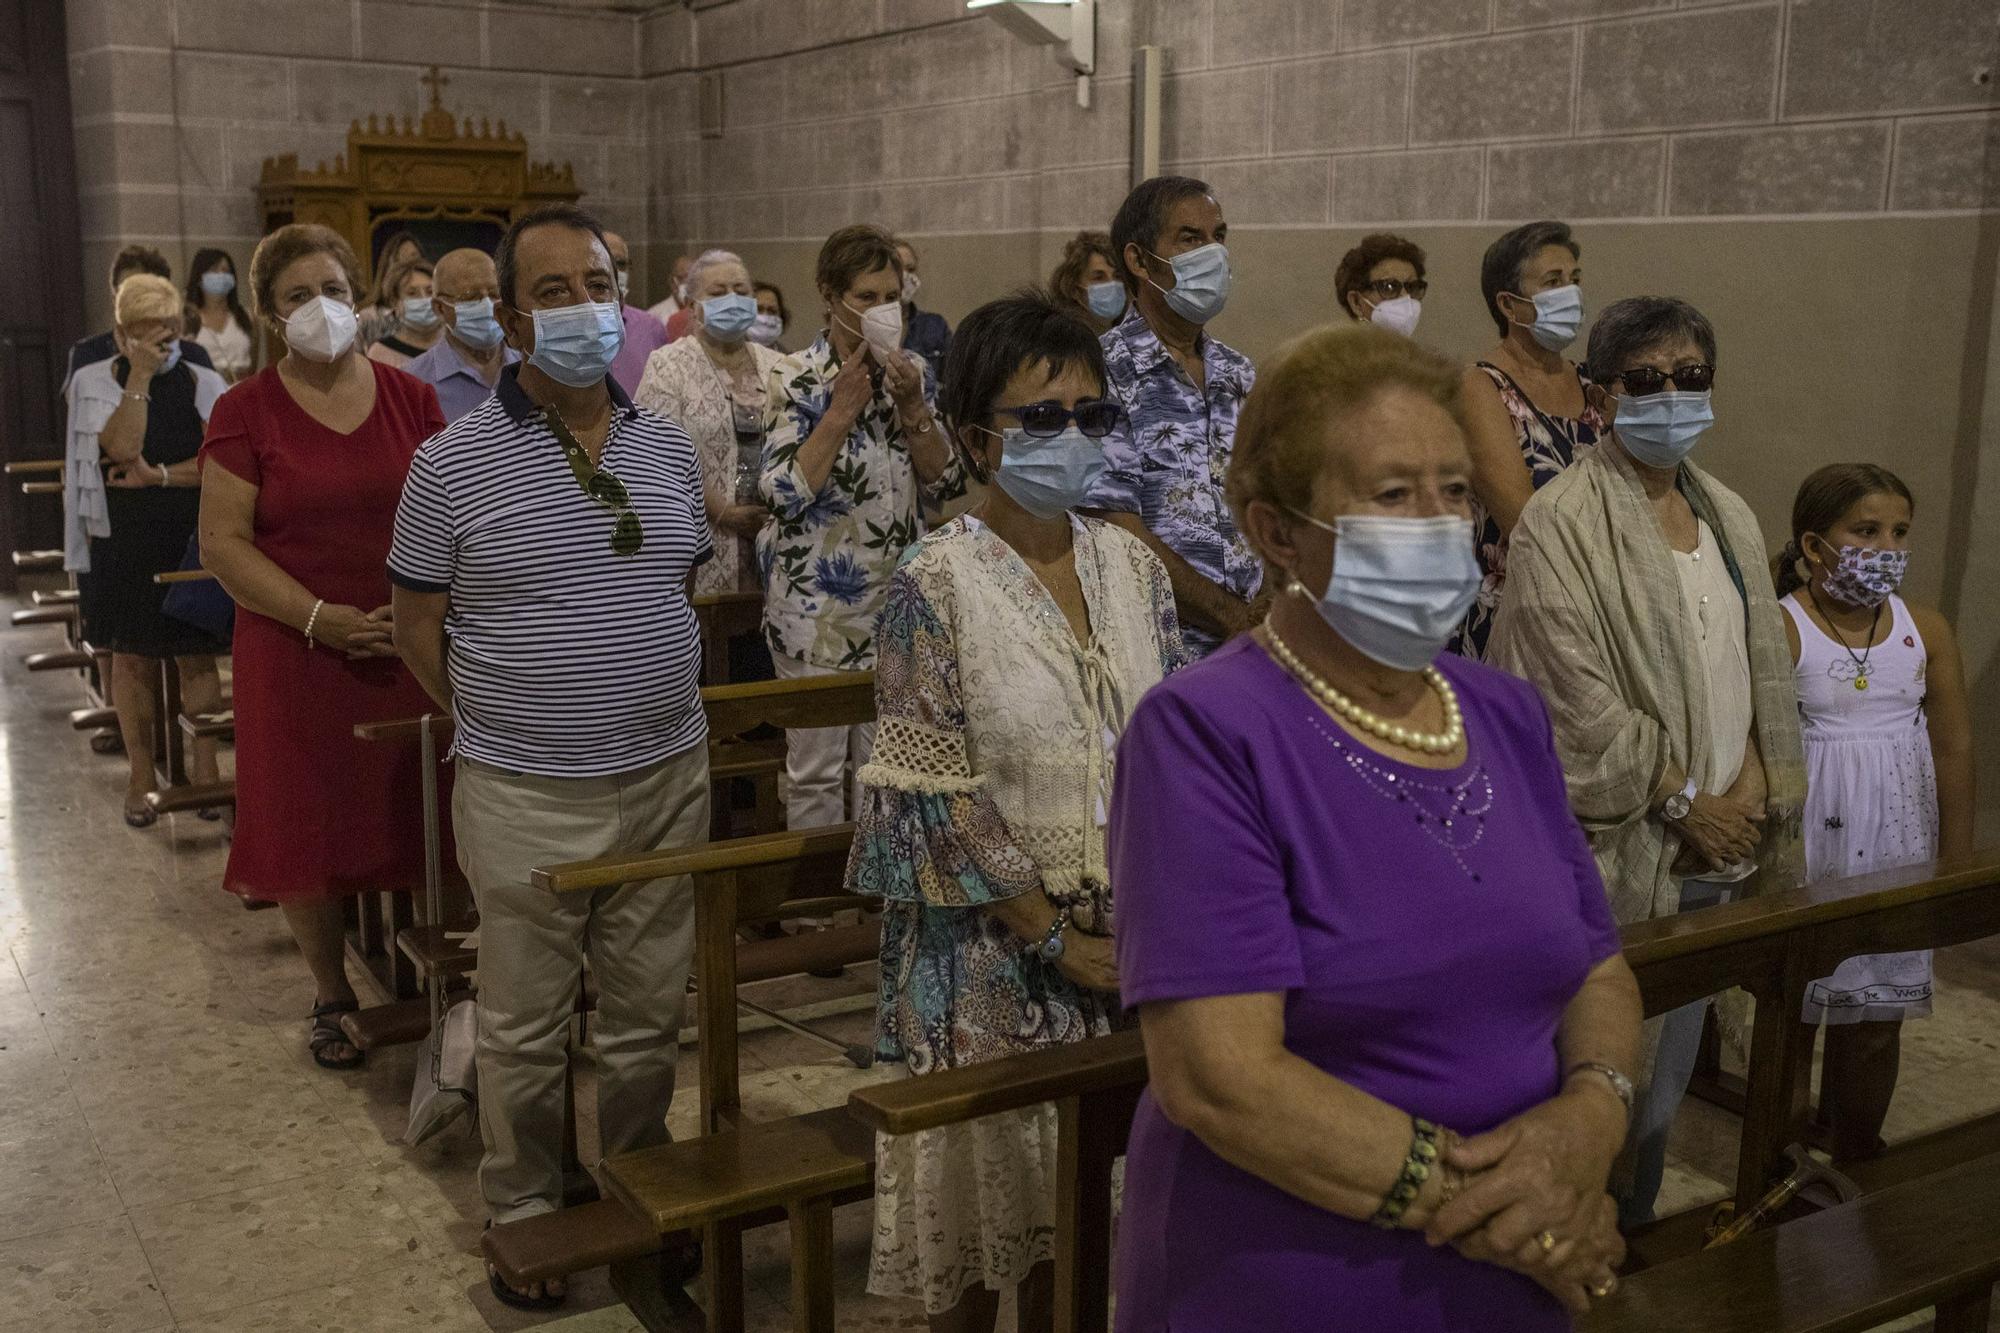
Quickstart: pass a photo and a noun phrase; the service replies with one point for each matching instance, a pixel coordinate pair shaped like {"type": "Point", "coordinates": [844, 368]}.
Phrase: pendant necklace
{"type": "Point", "coordinates": [1862, 669]}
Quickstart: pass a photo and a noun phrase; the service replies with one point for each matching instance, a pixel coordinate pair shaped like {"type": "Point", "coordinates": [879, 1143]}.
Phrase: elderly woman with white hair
{"type": "Point", "coordinates": [140, 417]}
{"type": "Point", "coordinates": [715, 385]}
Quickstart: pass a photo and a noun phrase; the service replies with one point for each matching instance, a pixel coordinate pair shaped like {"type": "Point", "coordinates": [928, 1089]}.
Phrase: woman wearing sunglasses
{"type": "Point", "coordinates": [1381, 281]}
{"type": "Point", "coordinates": [1015, 641]}
{"type": "Point", "coordinates": [1637, 599]}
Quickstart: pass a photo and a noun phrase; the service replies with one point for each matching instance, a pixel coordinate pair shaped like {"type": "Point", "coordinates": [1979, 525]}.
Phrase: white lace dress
{"type": "Point", "coordinates": [1871, 796]}
{"type": "Point", "coordinates": [990, 778]}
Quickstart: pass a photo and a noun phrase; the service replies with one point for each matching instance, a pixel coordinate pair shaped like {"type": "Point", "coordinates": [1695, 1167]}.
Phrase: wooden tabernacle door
{"type": "Point", "coordinates": [450, 183]}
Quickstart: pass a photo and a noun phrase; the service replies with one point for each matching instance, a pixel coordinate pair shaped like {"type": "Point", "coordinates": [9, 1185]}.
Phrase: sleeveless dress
{"type": "Point", "coordinates": [320, 814]}
{"type": "Point", "coordinates": [1548, 445]}
{"type": "Point", "coordinates": [1871, 797]}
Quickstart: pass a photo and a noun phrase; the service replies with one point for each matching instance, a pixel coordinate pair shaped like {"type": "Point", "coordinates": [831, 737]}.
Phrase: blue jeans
{"type": "Point", "coordinates": [1673, 1067]}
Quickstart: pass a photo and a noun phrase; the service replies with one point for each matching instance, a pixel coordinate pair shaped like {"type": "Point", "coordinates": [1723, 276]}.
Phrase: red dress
{"type": "Point", "coordinates": [319, 813]}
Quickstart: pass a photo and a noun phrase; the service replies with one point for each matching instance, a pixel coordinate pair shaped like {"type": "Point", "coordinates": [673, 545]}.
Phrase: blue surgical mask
{"type": "Point", "coordinates": [419, 313]}
{"type": "Point", "coordinates": [173, 357]}
{"type": "Point", "coordinates": [728, 317]}
{"type": "Point", "coordinates": [1201, 283]}
{"type": "Point", "coordinates": [1400, 586]}
{"type": "Point", "coordinates": [474, 325]}
{"type": "Point", "coordinates": [1048, 477]}
{"type": "Point", "coordinates": [576, 344]}
{"type": "Point", "coordinates": [1660, 429]}
{"type": "Point", "coordinates": [1106, 299]}
{"type": "Point", "coordinates": [218, 284]}
{"type": "Point", "coordinates": [1558, 316]}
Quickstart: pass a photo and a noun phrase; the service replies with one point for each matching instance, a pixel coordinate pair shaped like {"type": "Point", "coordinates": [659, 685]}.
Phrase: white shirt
{"type": "Point", "coordinates": [1715, 612]}
{"type": "Point", "coordinates": [228, 347]}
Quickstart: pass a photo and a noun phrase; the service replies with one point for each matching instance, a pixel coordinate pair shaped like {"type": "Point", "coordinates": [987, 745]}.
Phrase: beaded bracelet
{"type": "Point", "coordinates": [312, 620]}
{"type": "Point", "coordinates": [1416, 1170]}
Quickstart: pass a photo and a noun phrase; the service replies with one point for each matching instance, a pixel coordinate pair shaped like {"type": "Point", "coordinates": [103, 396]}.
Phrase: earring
{"type": "Point", "coordinates": [1293, 586]}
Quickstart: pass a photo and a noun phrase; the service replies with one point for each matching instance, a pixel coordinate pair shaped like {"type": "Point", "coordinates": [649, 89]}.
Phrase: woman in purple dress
{"type": "Point", "coordinates": [1357, 918]}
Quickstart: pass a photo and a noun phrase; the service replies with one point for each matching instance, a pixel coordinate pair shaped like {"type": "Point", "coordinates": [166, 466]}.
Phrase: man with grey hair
{"type": "Point", "coordinates": [1637, 598]}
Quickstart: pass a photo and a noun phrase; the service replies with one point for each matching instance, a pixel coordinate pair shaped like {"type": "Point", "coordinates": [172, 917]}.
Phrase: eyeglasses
{"type": "Point", "coordinates": [1095, 417]}
{"type": "Point", "coordinates": [627, 536]}
{"type": "Point", "coordinates": [1391, 288]}
{"type": "Point", "coordinates": [1643, 381]}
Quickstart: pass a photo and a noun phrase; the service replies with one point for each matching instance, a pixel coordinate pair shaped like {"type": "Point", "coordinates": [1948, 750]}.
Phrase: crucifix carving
{"type": "Point", "coordinates": [435, 80]}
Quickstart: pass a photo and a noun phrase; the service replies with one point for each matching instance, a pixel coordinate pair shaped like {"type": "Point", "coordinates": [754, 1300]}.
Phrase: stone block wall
{"type": "Point", "coordinates": [178, 102]}
{"type": "Point", "coordinates": [1340, 112]}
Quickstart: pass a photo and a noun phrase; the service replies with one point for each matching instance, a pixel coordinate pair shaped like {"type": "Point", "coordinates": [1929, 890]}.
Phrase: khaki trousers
{"type": "Point", "coordinates": [532, 943]}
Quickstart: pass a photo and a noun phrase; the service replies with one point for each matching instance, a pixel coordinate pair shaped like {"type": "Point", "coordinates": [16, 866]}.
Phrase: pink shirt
{"type": "Point", "coordinates": [644, 336]}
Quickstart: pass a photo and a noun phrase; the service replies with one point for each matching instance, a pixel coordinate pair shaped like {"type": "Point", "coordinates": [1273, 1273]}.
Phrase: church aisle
{"type": "Point", "coordinates": [172, 1160]}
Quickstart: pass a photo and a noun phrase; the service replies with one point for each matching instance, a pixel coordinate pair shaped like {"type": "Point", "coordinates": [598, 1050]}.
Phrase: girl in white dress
{"type": "Point", "coordinates": [1888, 744]}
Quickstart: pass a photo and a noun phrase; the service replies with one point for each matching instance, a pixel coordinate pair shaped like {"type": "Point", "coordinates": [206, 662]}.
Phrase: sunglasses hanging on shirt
{"type": "Point", "coordinates": [627, 536]}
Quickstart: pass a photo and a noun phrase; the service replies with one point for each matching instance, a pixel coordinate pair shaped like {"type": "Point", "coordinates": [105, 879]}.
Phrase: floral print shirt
{"type": "Point", "coordinates": [1548, 445]}
{"type": "Point", "coordinates": [1167, 459]}
{"type": "Point", "coordinates": [991, 777]}
{"type": "Point", "coordinates": [828, 555]}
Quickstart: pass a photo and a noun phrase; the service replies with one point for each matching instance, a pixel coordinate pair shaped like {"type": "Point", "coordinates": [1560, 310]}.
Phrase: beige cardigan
{"type": "Point", "coordinates": [684, 386]}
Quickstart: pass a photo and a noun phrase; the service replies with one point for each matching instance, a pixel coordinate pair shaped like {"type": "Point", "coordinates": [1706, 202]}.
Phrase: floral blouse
{"type": "Point", "coordinates": [684, 386]}
{"type": "Point", "coordinates": [991, 777]}
{"type": "Point", "coordinates": [827, 558]}
{"type": "Point", "coordinates": [1548, 445]}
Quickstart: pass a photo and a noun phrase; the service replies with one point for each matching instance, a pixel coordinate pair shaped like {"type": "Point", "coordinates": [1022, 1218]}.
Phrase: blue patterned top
{"type": "Point", "coordinates": [1167, 460]}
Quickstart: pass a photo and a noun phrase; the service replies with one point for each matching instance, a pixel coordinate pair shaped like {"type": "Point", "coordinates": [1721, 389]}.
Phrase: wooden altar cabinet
{"type": "Point", "coordinates": [450, 183]}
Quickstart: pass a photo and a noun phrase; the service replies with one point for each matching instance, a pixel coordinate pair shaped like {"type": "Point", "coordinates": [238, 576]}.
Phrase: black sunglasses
{"type": "Point", "coordinates": [1095, 417]}
{"type": "Point", "coordinates": [627, 535]}
{"type": "Point", "coordinates": [1391, 288]}
{"type": "Point", "coordinates": [1643, 381]}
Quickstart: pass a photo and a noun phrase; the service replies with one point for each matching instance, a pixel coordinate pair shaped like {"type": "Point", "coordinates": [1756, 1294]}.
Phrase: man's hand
{"type": "Point", "coordinates": [745, 520]}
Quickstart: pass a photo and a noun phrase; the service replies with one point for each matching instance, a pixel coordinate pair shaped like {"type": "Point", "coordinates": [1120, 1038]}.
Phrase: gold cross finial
{"type": "Point", "coordinates": [435, 81]}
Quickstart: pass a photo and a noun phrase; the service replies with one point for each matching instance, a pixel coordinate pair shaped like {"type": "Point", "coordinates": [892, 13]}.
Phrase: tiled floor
{"type": "Point", "coordinates": [171, 1159]}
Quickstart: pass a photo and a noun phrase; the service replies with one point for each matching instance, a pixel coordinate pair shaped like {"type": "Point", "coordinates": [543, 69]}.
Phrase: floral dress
{"type": "Point", "coordinates": [1548, 445]}
{"type": "Point", "coordinates": [827, 558]}
{"type": "Point", "coordinates": [991, 778]}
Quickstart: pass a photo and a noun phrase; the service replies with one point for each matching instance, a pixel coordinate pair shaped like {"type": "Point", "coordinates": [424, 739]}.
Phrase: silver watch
{"type": "Point", "coordinates": [1677, 806]}
{"type": "Point", "coordinates": [1619, 1083]}
{"type": "Point", "coordinates": [1052, 946]}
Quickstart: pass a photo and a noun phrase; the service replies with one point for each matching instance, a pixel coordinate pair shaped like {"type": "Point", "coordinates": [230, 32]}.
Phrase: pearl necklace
{"type": "Point", "coordinates": [1441, 742]}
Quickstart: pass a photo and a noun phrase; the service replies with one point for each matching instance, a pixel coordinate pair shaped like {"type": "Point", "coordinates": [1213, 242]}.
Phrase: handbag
{"type": "Point", "coordinates": [446, 1084]}
{"type": "Point", "coordinates": [202, 603]}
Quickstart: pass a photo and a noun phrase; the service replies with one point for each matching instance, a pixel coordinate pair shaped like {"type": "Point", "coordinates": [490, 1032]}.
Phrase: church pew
{"type": "Point", "coordinates": [733, 712]}
{"type": "Point", "coordinates": [736, 1174]}
{"type": "Point", "coordinates": [1774, 946]}
{"type": "Point", "coordinates": [1934, 1241]}
{"type": "Point", "coordinates": [722, 617]}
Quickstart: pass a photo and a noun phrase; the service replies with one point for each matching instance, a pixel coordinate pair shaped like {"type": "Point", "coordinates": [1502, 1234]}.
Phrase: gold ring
{"type": "Point", "coordinates": [1605, 1288]}
{"type": "Point", "coordinates": [1547, 1240]}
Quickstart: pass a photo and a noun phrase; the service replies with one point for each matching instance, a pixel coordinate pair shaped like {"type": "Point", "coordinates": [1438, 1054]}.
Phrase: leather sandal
{"type": "Point", "coordinates": [327, 1032]}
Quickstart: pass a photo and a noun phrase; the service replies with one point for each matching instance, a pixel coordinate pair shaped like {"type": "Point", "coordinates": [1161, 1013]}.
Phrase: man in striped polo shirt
{"type": "Point", "coordinates": [541, 566]}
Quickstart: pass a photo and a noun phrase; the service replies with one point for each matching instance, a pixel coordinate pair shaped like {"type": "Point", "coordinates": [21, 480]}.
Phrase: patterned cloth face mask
{"type": "Point", "coordinates": [1865, 575]}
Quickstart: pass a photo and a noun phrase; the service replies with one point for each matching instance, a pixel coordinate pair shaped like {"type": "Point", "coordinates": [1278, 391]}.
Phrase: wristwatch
{"type": "Point", "coordinates": [1052, 946]}
{"type": "Point", "coordinates": [1677, 806]}
{"type": "Point", "coordinates": [1619, 1083]}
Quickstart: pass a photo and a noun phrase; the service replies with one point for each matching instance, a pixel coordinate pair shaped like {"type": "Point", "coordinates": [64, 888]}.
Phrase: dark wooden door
{"type": "Point", "coordinates": [41, 291]}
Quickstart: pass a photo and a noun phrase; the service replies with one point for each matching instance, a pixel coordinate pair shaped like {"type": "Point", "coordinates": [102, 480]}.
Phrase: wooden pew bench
{"type": "Point", "coordinates": [735, 1174]}
{"type": "Point", "coordinates": [1932, 1241]}
{"type": "Point", "coordinates": [37, 562]}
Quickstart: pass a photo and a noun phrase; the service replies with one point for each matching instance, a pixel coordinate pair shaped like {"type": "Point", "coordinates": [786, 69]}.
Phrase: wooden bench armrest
{"type": "Point", "coordinates": [845, 699]}
{"type": "Point", "coordinates": [35, 467]}
{"type": "Point", "coordinates": [707, 600]}
{"type": "Point", "coordinates": [184, 576]}
{"type": "Point", "coordinates": [737, 854]}
{"type": "Point", "coordinates": [949, 1096]}
{"type": "Point", "coordinates": [41, 488]}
